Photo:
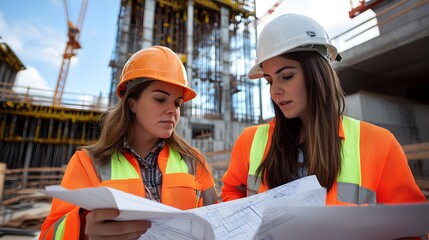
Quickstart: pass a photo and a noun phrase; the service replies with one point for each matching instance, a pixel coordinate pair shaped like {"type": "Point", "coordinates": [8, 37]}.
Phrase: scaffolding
{"type": "Point", "coordinates": [214, 39]}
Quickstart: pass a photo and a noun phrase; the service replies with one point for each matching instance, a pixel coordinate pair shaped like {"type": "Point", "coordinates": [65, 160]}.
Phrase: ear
{"type": "Point", "coordinates": [131, 105]}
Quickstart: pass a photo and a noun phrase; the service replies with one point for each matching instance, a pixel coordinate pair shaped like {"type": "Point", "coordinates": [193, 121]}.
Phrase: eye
{"type": "Point", "coordinates": [287, 77]}
{"type": "Point", "coordinates": [160, 100]}
{"type": "Point", "coordinates": [178, 105]}
{"type": "Point", "coordinates": [269, 80]}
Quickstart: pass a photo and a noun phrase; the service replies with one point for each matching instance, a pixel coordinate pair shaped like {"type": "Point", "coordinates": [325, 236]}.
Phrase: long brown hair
{"type": "Point", "coordinates": [117, 123]}
{"type": "Point", "coordinates": [322, 148]}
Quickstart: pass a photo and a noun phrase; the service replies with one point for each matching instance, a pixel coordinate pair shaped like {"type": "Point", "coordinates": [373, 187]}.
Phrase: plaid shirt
{"type": "Point", "coordinates": [152, 177]}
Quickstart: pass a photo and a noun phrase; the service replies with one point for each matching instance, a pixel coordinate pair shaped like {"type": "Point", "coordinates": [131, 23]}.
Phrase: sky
{"type": "Point", "coordinates": [36, 30]}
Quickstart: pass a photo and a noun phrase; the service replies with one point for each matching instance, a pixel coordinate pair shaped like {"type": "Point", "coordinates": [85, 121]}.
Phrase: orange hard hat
{"type": "Point", "coordinates": [155, 63]}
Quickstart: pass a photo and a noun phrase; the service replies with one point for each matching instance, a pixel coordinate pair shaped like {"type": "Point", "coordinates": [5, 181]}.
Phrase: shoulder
{"type": "Point", "coordinates": [81, 156]}
{"type": "Point", "coordinates": [250, 131]}
{"type": "Point", "coordinates": [369, 130]}
{"type": "Point", "coordinates": [378, 138]}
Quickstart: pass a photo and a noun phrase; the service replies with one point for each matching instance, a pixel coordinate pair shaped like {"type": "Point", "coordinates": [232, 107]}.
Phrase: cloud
{"type": "Point", "coordinates": [31, 87]}
{"type": "Point", "coordinates": [56, 2]}
{"type": "Point", "coordinates": [27, 79]}
{"type": "Point", "coordinates": [33, 40]}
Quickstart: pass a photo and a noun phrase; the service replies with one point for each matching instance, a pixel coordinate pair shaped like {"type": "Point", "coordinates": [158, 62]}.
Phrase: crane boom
{"type": "Point", "coordinates": [71, 45]}
{"type": "Point", "coordinates": [362, 6]}
{"type": "Point", "coordinates": [269, 11]}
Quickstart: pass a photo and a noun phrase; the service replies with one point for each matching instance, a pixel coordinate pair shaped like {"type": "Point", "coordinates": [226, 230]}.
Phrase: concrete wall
{"type": "Point", "coordinates": [221, 135]}
{"type": "Point", "coordinates": [407, 120]}
{"type": "Point", "coordinates": [394, 14]}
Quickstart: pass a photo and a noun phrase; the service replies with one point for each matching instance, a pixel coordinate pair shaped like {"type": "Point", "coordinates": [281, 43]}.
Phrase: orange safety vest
{"type": "Point", "coordinates": [179, 189]}
{"type": "Point", "coordinates": [374, 167]}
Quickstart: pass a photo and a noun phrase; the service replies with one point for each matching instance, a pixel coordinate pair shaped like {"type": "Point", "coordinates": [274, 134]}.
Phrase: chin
{"type": "Point", "coordinates": [165, 135]}
{"type": "Point", "coordinates": [289, 115]}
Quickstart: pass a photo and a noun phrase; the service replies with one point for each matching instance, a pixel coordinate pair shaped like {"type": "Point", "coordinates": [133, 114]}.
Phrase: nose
{"type": "Point", "coordinates": [171, 109]}
{"type": "Point", "coordinates": [275, 89]}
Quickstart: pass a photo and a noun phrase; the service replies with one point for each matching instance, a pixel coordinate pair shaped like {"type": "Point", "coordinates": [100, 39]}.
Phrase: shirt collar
{"type": "Point", "coordinates": [154, 151]}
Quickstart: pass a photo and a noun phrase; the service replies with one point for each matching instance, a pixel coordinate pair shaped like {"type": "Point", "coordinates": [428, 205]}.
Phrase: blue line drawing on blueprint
{"type": "Point", "coordinates": [179, 227]}
{"type": "Point", "coordinates": [275, 217]}
{"type": "Point", "coordinates": [241, 218]}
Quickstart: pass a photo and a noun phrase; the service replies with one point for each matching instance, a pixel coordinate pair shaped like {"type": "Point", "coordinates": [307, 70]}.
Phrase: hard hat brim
{"type": "Point", "coordinates": [327, 51]}
{"type": "Point", "coordinates": [188, 93]}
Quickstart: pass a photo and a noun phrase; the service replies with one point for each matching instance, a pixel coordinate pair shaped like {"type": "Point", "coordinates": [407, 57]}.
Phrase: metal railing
{"type": "Point", "coordinates": [44, 97]}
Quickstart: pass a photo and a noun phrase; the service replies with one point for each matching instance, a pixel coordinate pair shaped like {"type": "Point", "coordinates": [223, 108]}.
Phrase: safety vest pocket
{"type": "Point", "coordinates": [131, 185]}
{"type": "Point", "coordinates": [181, 190]}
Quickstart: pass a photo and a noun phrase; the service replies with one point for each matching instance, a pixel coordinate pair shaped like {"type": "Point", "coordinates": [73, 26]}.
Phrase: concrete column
{"type": "Point", "coordinates": [189, 48]}
{"type": "Point", "coordinates": [190, 38]}
{"type": "Point", "coordinates": [123, 53]}
{"type": "Point", "coordinates": [226, 104]}
{"type": "Point", "coordinates": [12, 79]}
{"type": "Point", "coordinates": [148, 23]}
{"type": "Point", "coordinates": [2, 71]}
{"type": "Point", "coordinates": [226, 94]}
{"type": "Point", "coordinates": [6, 77]}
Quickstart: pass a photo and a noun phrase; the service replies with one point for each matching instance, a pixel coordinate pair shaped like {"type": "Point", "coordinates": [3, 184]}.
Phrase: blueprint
{"type": "Point", "coordinates": [240, 219]}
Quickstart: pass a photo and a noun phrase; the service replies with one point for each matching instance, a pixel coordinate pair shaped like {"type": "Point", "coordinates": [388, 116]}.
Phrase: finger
{"type": "Point", "coordinates": [102, 215]}
{"type": "Point", "coordinates": [115, 228]}
{"type": "Point", "coordinates": [130, 236]}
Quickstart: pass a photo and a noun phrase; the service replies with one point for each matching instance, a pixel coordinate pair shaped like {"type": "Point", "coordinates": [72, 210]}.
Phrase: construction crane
{"type": "Point", "coordinates": [269, 11]}
{"type": "Point", "coordinates": [362, 6]}
{"type": "Point", "coordinates": [71, 46]}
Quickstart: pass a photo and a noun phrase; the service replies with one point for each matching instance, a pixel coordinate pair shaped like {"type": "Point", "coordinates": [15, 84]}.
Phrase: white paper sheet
{"type": "Point", "coordinates": [344, 222]}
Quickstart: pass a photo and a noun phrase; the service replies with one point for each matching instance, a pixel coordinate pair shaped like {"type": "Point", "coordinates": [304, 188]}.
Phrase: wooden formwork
{"type": "Point", "coordinates": [419, 152]}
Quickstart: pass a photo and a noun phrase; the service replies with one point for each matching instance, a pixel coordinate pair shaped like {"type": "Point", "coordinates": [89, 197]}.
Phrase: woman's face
{"type": "Point", "coordinates": [287, 85]}
{"type": "Point", "coordinates": [157, 110]}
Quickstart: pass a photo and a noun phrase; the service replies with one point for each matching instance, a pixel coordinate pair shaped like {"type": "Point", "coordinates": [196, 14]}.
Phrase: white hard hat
{"type": "Point", "coordinates": [291, 33]}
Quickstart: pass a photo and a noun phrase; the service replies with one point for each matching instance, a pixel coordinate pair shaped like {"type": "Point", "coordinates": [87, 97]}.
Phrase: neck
{"type": "Point", "coordinates": [143, 146]}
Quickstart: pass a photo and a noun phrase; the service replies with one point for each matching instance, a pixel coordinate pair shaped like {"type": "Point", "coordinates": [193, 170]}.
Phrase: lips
{"type": "Point", "coordinates": [168, 122]}
{"type": "Point", "coordinates": [283, 103]}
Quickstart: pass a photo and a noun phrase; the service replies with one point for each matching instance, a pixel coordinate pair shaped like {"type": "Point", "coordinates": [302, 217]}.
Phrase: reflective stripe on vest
{"type": "Point", "coordinates": [120, 168]}
{"type": "Point", "coordinates": [349, 187]}
{"type": "Point", "coordinates": [256, 154]}
{"type": "Point", "coordinates": [57, 229]}
{"type": "Point", "coordinates": [175, 163]}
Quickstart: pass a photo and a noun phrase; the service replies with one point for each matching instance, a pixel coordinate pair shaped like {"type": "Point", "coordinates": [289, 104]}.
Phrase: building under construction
{"type": "Point", "coordinates": [216, 42]}
{"type": "Point", "coordinates": [214, 39]}
{"type": "Point", "coordinates": [385, 78]}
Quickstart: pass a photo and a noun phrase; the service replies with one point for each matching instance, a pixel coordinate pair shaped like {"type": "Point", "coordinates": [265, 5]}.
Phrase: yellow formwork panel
{"type": "Point", "coordinates": [26, 109]}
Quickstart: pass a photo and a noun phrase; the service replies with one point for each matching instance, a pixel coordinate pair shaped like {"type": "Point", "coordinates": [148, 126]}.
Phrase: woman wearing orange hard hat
{"type": "Point", "coordinates": [138, 152]}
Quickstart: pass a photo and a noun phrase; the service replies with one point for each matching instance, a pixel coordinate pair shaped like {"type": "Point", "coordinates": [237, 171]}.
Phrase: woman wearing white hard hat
{"type": "Point", "coordinates": [358, 163]}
